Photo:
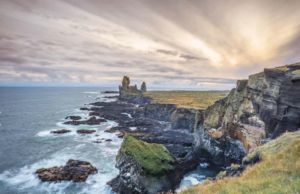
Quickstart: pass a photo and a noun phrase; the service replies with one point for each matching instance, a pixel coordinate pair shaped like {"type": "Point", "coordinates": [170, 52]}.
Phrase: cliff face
{"type": "Point", "coordinates": [265, 106]}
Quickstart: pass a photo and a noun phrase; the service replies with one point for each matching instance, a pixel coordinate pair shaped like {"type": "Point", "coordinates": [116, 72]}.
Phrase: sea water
{"type": "Point", "coordinates": [27, 117]}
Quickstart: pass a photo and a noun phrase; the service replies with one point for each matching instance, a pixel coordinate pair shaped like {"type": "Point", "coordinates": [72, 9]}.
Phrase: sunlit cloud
{"type": "Point", "coordinates": [168, 42]}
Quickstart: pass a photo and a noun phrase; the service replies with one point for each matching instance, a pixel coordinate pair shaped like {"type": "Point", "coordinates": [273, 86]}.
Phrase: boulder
{"type": "Point", "coordinates": [74, 170]}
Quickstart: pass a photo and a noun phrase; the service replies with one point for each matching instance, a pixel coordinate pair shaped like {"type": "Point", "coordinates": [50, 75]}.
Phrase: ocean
{"type": "Point", "coordinates": [27, 117]}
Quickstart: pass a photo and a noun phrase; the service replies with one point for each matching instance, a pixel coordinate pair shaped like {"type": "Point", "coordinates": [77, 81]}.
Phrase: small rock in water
{"type": "Point", "coordinates": [73, 117]}
{"type": "Point", "coordinates": [86, 131]}
{"type": "Point", "coordinates": [120, 135]}
{"type": "Point", "coordinates": [74, 170]}
{"type": "Point", "coordinates": [61, 131]}
{"type": "Point", "coordinates": [97, 141]}
{"type": "Point", "coordinates": [110, 131]}
{"type": "Point", "coordinates": [108, 140]}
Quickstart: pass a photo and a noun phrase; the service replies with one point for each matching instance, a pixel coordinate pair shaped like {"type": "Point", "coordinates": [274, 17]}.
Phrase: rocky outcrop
{"type": "Point", "coordinates": [61, 131]}
{"type": "Point", "coordinates": [73, 118]}
{"type": "Point", "coordinates": [125, 88]}
{"type": "Point", "coordinates": [143, 87]}
{"type": "Point", "coordinates": [74, 170]}
{"type": "Point", "coordinates": [161, 112]}
{"type": "Point", "coordinates": [90, 121]}
{"type": "Point", "coordinates": [146, 168]}
{"type": "Point", "coordinates": [85, 131]}
{"type": "Point", "coordinates": [266, 105]}
{"type": "Point", "coordinates": [262, 107]}
{"type": "Point", "coordinates": [184, 119]}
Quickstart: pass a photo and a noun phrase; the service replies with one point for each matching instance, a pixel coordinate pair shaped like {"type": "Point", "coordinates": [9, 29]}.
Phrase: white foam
{"type": "Point", "coordinates": [43, 133]}
{"type": "Point", "coordinates": [204, 165]}
{"type": "Point", "coordinates": [190, 180]}
{"type": "Point", "coordinates": [91, 92]}
{"type": "Point", "coordinates": [133, 128]}
{"type": "Point", "coordinates": [129, 115]}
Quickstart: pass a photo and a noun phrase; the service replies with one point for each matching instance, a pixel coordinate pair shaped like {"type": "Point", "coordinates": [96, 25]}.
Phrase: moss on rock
{"type": "Point", "coordinates": [154, 158]}
{"type": "Point", "coordinates": [296, 72]}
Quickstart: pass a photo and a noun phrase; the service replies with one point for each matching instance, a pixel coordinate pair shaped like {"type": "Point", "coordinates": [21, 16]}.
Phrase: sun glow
{"type": "Point", "coordinates": [142, 45]}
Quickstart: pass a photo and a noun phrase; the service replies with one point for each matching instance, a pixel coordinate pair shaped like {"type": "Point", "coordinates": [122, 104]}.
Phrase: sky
{"type": "Point", "coordinates": [194, 44]}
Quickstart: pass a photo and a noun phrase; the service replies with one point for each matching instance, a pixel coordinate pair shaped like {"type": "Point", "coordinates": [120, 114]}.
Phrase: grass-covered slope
{"type": "Point", "coordinates": [154, 158]}
{"type": "Point", "coordinates": [186, 99]}
{"type": "Point", "coordinates": [278, 172]}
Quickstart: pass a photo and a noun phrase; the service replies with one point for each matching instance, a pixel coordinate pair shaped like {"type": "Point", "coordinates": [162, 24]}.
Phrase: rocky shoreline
{"type": "Point", "coordinates": [162, 142]}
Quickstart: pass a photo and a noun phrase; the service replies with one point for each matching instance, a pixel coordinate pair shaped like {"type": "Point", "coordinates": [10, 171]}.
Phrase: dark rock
{"type": "Point", "coordinates": [120, 135]}
{"type": "Point", "coordinates": [161, 112]}
{"type": "Point", "coordinates": [110, 131]}
{"type": "Point", "coordinates": [84, 108]}
{"type": "Point", "coordinates": [73, 117]}
{"type": "Point", "coordinates": [183, 118]}
{"type": "Point", "coordinates": [91, 121]}
{"type": "Point", "coordinates": [109, 92]}
{"type": "Point", "coordinates": [143, 87]}
{"type": "Point", "coordinates": [74, 170]}
{"type": "Point", "coordinates": [223, 151]}
{"type": "Point", "coordinates": [108, 140]}
{"type": "Point", "coordinates": [61, 131]}
{"type": "Point", "coordinates": [110, 97]}
{"type": "Point", "coordinates": [85, 131]}
{"type": "Point", "coordinates": [97, 141]}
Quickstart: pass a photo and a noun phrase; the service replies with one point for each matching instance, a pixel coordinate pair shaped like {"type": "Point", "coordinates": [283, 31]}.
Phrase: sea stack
{"type": "Point", "coordinates": [127, 89]}
{"type": "Point", "coordinates": [143, 87]}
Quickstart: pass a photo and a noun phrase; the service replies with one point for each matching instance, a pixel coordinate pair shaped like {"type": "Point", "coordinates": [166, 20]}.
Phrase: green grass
{"type": "Point", "coordinates": [186, 99]}
{"type": "Point", "coordinates": [296, 72]}
{"type": "Point", "coordinates": [278, 172]}
{"type": "Point", "coordinates": [154, 158]}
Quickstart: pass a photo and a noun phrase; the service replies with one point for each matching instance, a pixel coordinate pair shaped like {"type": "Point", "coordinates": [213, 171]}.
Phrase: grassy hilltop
{"type": "Point", "coordinates": [186, 99]}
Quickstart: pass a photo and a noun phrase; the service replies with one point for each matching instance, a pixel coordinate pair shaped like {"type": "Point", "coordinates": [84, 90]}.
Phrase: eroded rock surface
{"type": "Point", "coordinates": [74, 170]}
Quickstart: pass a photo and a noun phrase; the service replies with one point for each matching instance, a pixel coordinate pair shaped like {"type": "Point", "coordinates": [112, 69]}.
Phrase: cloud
{"type": "Point", "coordinates": [168, 52]}
{"type": "Point", "coordinates": [169, 42]}
{"type": "Point", "coordinates": [189, 57]}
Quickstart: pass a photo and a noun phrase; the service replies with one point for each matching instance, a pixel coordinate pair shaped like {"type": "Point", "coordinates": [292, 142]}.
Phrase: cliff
{"type": "Point", "coordinates": [277, 170]}
{"type": "Point", "coordinates": [257, 110]}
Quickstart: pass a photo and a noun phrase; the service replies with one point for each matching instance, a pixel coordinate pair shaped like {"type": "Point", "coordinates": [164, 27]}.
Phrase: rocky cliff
{"type": "Point", "coordinates": [260, 108]}
{"type": "Point", "coordinates": [264, 106]}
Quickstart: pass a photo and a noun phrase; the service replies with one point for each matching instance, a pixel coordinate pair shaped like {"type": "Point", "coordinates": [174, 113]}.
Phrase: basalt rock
{"type": "Point", "coordinates": [184, 119]}
{"type": "Point", "coordinates": [264, 106]}
{"type": "Point", "coordinates": [61, 131]}
{"type": "Point", "coordinates": [73, 117]}
{"type": "Point", "coordinates": [147, 168]}
{"type": "Point", "coordinates": [161, 112]}
{"type": "Point", "coordinates": [143, 87]}
{"type": "Point", "coordinates": [131, 93]}
{"type": "Point", "coordinates": [90, 121]}
{"type": "Point", "coordinates": [85, 131]}
{"type": "Point", "coordinates": [109, 92]}
{"type": "Point", "coordinates": [74, 170]}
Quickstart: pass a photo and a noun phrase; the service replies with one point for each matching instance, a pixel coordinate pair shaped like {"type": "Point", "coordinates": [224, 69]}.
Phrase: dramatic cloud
{"type": "Point", "coordinates": [172, 43]}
